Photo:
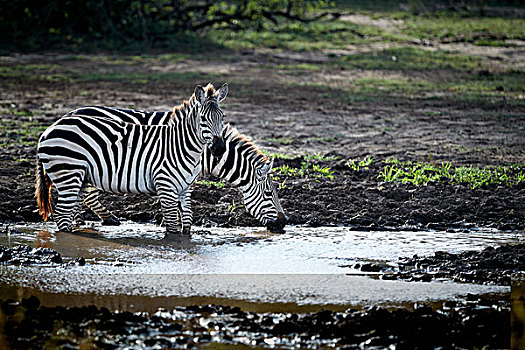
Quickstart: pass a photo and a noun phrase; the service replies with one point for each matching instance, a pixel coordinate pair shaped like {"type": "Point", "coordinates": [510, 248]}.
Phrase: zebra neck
{"type": "Point", "coordinates": [188, 109]}
{"type": "Point", "coordinates": [233, 166]}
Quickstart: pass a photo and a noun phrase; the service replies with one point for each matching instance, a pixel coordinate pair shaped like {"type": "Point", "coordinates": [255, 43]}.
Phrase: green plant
{"type": "Point", "coordinates": [233, 207]}
{"type": "Point", "coordinates": [319, 156]}
{"type": "Point", "coordinates": [423, 173]}
{"type": "Point", "coordinates": [356, 165]}
{"type": "Point", "coordinates": [217, 184]}
{"type": "Point", "coordinates": [322, 171]}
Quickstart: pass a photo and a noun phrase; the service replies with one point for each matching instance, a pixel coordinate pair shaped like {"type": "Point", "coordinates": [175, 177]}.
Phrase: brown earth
{"type": "Point", "coordinates": [293, 120]}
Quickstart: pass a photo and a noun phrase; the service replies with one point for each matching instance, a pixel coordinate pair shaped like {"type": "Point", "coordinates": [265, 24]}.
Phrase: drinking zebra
{"type": "Point", "coordinates": [121, 157]}
{"type": "Point", "coordinates": [242, 164]}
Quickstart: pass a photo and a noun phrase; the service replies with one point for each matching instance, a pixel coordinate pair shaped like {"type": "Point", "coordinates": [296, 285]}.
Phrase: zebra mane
{"type": "Point", "coordinates": [234, 136]}
{"type": "Point", "coordinates": [210, 91]}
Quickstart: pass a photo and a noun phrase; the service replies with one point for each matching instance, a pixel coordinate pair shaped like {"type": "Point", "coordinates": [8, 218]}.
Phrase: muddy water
{"type": "Point", "coordinates": [304, 266]}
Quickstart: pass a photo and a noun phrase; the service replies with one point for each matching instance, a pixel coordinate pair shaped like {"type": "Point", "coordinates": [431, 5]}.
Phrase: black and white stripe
{"type": "Point", "coordinates": [242, 165]}
{"type": "Point", "coordinates": [121, 157]}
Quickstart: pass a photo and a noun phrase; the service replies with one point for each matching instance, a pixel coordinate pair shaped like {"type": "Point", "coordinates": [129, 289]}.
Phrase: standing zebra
{"type": "Point", "coordinates": [121, 157]}
{"type": "Point", "coordinates": [242, 165]}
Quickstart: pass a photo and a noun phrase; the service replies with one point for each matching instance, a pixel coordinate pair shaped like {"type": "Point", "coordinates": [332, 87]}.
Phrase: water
{"type": "Point", "coordinates": [304, 266]}
{"type": "Point", "coordinates": [143, 248]}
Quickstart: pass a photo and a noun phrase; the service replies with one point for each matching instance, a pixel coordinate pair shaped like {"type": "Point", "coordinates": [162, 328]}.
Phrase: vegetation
{"type": "Point", "coordinates": [307, 169]}
{"type": "Point", "coordinates": [357, 165]}
{"type": "Point", "coordinates": [416, 173]}
{"type": "Point", "coordinates": [73, 23]}
{"type": "Point", "coordinates": [423, 173]}
{"type": "Point", "coordinates": [208, 183]}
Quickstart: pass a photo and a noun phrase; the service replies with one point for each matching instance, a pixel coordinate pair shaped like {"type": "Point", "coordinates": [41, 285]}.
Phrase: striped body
{"type": "Point", "coordinates": [242, 165]}
{"type": "Point", "coordinates": [119, 157]}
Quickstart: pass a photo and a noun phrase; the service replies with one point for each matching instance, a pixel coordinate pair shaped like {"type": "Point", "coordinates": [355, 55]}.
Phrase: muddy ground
{"type": "Point", "coordinates": [290, 120]}
{"type": "Point", "coordinates": [283, 116]}
{"type": "Point", "coordinates": [476, 322]}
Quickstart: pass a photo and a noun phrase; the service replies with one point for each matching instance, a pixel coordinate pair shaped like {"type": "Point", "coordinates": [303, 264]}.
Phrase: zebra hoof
{"type": "Point", "coordinates": [111, 221]}
{"type": "Point", "coordinates": [67, 228]}
{"type": "Point", "coordinates": [80, 222]}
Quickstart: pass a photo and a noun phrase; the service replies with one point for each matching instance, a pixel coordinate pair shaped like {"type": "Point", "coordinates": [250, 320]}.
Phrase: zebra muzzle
{"type": "Point", "coordinates": [278, 224]}
{"type": "Point", "coordinates": [218, 147]}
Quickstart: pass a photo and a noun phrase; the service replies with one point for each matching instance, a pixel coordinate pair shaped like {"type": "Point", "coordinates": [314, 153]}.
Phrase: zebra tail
{"type": "Point", "coordinates": [43, 191]}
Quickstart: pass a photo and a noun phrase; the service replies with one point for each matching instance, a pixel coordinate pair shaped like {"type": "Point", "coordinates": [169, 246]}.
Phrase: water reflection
{"type": "Point", "coordinates": [248, 250]}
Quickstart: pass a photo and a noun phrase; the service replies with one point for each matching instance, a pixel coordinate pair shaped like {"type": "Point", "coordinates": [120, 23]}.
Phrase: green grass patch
{"type": "Point", "coordinates": [277, 155]}
{"type": "Point", "coordinates": [14, 131]}
{"type": "Point", "coordinates": [320, 157]}
{"type": "Point", "coordinates": [216, 184]}
{"type": "Point", "coordinates": [307, 169]}
{"type": "Point", "coordinates": [51, 73]}
{"type": "Point", "coordinates": [452, 28]}
{"type": "Point", "coordinates": [356, 164]}
{"type": "Point", "coordinates": [423, 173]}
{"type": "Point", "coordinates": [409, 58]}
{"type": "Point", "coordinates": [404, 86]}
{"type": "Point", "coordinates": [296, 36]}
{"type": "Point", "coordinates": [466, 87]}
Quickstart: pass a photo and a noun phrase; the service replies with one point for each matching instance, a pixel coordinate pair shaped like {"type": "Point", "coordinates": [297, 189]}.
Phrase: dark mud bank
{"type": "Point", "coordinates": [353, 198]}
{"type": "Point", "coordinates": [475, 322]}
{"type": "Point", "coordinates": [490, 266]}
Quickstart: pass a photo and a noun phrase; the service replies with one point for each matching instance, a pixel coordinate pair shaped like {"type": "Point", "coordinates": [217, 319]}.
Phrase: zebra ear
{"type": "Point", "coordinates": [222, 93]}
{"type": "Point", "coordinates": [268, 167]}
{"type": "Point", "coordinates": [200, 94]}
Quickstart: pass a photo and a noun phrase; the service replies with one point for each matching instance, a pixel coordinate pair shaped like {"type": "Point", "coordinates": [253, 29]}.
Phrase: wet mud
{"type": "Point", "coordinates": [476, 322]}
{"type": "Point", "coordinates": [354, 198]}
{"type": "Point", "coordinates": [490, 266]}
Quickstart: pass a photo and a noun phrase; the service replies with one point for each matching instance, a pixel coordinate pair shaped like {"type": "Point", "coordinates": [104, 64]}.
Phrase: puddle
{"type": "Point", "coordinates": [304, 266]}
{"type": "Point", "coordinates": [142, 248]}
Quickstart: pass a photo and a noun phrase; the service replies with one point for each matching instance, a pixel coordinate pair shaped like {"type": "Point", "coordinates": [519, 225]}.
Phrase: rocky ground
{"type": "Point", "coordinates": [475, 322]}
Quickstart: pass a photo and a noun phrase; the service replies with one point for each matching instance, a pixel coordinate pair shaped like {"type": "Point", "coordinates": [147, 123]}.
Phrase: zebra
{"type": "Point", "coordinates": [242, 164]}
{"type": "Point", "coordinates": [121, 157]}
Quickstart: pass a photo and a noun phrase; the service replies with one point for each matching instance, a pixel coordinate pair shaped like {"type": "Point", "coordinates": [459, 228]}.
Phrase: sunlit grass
{"type": "Point", "coordinates": [409, 58]}
{"type": "Point", "coordinates": [319, 35]}
{"type": "Point", "coordinates": [422, 173]}
{"type": "Point", "coordinates": [216, 184]}
{"type": "Point", "coordinates": [477, 30]}
{"type": "Point", "coordinates": [307, 169]}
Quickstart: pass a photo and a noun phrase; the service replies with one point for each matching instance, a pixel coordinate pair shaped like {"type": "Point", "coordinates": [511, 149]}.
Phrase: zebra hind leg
{"type": "Point", "coordinates": [78, 219]}
{"type": "Point", "coordinates": [69, 190]}
{"type": "Point", "coordinates": [91, 199]}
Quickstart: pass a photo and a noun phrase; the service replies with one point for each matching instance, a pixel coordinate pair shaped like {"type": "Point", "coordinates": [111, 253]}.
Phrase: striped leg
{"type": "Point", "coordinates": [91, 199]}
{"type": "Point", "coordinates": [170, 211]}
{"type": "Point", "coordinates": [186, 210]}
{"type": "Point", "coordinates": [77, 218]}
{"type": "Point", "coordinates": [69, 188]}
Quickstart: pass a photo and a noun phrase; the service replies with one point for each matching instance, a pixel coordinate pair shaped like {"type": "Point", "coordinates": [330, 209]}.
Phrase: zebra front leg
{"type": "Point", "coordinates": [170, 211]}
{"type": "Point", "coordinates": [91, 199]}
{"type": "Point", "coordinates": [186, 210]}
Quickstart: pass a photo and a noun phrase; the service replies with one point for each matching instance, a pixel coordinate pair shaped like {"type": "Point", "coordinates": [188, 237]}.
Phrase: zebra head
{"type": "Point", "coordinates": [261, 200]}
{"type": "Point", "coordinates": [211, 121]}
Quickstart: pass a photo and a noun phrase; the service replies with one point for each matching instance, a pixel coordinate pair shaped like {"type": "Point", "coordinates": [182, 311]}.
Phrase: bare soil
{"type": "Point", "coordinates": [292, 120]}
